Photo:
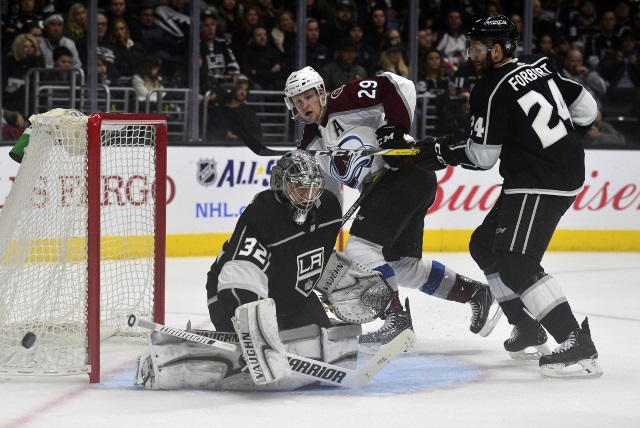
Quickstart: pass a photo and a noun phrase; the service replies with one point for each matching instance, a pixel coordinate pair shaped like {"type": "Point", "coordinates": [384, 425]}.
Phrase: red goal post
{"type": "Point", "coordinates": [82, 239]}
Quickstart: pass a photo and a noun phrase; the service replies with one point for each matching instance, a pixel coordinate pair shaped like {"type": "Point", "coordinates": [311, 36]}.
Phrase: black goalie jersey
{"type": "Point", "coordinates": [527, 115]}
{"type": "Point", "coordinates": [272, 256]}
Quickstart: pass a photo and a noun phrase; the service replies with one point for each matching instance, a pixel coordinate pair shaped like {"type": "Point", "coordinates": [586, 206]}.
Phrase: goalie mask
{"type": "Point", "coordinates": [301, 81]}
{"type": "Point", "coordinates": [297, 179]}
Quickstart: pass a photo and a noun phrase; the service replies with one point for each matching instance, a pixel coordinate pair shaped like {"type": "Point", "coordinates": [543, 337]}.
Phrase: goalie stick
{"type": "Point", "coordinates": [307, 367]}
{"type": "Point", "coordinates": [261, 150]}
{"type": "Point", "coordinates": [134, 321]}
{"type": "Point", "coordinates": [363, 195]}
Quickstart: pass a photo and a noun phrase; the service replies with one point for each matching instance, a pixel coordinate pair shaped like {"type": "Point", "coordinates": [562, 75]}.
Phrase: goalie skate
{"type": "Point", "coordinates": [576, 357]}
{"type": "Point", "coordinates": [395, 323]}
{"type": "Point", "coordinates": [528, 340]}
{"type": "Point", "coordinates": [481, 303]}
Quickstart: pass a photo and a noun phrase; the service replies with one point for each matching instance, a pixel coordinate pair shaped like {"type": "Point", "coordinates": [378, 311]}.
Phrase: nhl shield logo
{"type": "Point", "coordinates": [207, 172]}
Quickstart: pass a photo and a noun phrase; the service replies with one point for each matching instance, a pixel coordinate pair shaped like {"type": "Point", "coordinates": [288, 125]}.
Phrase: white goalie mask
{"type": "Point", "coordinates": [297, 178]}
{"type": "Point", "coordinates": [299, 82]}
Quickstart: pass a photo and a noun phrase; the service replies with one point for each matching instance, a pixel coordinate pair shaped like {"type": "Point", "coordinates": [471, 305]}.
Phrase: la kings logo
{"type": "Point", "coordinates": [207, 172]}
{"type": "Point", "coordinates": [309, 269]}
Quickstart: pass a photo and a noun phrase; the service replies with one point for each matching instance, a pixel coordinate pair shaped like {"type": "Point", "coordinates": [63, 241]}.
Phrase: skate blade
{"type": "Point", "coordinates": [491, 323]}
{"type": "Point", "coordinates": [583, 369]}
{"type": "Point", "coordinates": [531, 353]}
{"type": "Point", "coordinates": [370, 349]}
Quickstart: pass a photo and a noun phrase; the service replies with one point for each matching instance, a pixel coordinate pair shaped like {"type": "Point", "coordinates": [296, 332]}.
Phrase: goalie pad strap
{"type": "Point", "coordinates": [262, 348]}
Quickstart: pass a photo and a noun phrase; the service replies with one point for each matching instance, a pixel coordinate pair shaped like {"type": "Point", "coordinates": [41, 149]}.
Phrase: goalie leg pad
{"type": "Point", "coordinates": [262, 348]}
{"type": "Point", "coordinates": [355, 293]}
{"type": "Point", "coordinates": [340, 345]}
{"type": "Point", "coordinates": [176, 363]}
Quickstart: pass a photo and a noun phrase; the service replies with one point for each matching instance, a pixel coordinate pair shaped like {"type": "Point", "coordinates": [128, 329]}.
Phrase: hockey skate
{"type": "Point", "coordinates": [577, 350]}
{"type": "Point", "coordinates": [481, 303]}
{"type": "Point", "coordinates": [395, 322]}
{"type": "Point", "coordinates": [527, 334]}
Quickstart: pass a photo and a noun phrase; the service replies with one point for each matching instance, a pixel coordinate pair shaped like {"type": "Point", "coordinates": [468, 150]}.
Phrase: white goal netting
{"type": "Point", "coordinates": [44, 235]}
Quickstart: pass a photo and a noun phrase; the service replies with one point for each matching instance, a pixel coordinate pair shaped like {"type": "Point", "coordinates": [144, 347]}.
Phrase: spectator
{"type": "Point", "coordinates": [344, 68]}
{"type": "Point", "coordinates": [318, 55]}
{"type": "Point", "coordinates": [25, 54]}
{"type": "Point", "coordinates": [604, 41]}
{"type": "Point", "coordinates": [117, 9]}
{"type": "Point", "coordinates": [218, 117]}
{"type": "Point", "coordinates": [621, 67]}
{"type": "Point", "coordinates": [77, 21]}
{"type": "Point", "coordinates": [367, 56]}
{"type": "Point", "coordinates": [391, 59]}
{"type": "Point", "coordinates": [116, 65]}
{"type": "Point", "coordinates": [269, 14]}
{"type": "Point", "coordinates": [148, 79]}
{"type": "Point", "coordinates": [13, 125]}
{"type": "Point", "coordinates": [544, 47]}
{"type": "Point", "coordinates": [517, 21]}
{"type": "Point", "coordinates": [583, 26]}
{"type": "Point", "coordinates": [622, 9]}
{"type": "Point", "coordinates": [263, 63]}
{"type": "Point", "coordinates": [320, 10]}
{"type": "Point", "coordinates": [425, 44]}
{"type": "Point", "coordinates": [434, 75]}
{"type": "Point", "coordinates": [15, 24]}
{"type": "Point", "coordinates": [102, 71]}
{"type": "Point", "coordinates": [376, 28]}
{"type": "Point", "coordinates": [36, 31]}
{"type": "Point", "coordinates": [337, 28]}
{"type": "Point", "coordinates": [603, 135]}
{"type": "Point", "coordinates": [154, 39]}
{"type": "Point", "coordinates": [230, 14]}
{"type": "Point", "coordinates": [219, 63]}
{"type": "Point", "coordinates": [251, 18]}
{"type": "Point", "coordinates": [452, 42]}
{"type": "Point", "coordinates": [544, 22]}
{"type": "Point", "coordinates": [129, 52]}
{"type": "Point", "coordinates": [575, 69]}
{"type": "Point", "coordinates": [62, 65]}
{"type": "Point", "coordinates": [52, 37]}
{"type": "Point", "coordinates": [283, 34]}
{"type": "Point", "coordinates": [173, 17]}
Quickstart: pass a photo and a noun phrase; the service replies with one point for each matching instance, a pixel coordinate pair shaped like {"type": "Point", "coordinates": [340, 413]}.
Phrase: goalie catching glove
{"type": "Point", "coordinates": [356, 294]}
{"type": "Point", "coordinates": [391, 137]}
{"type": "Point", "coordinates": [435, 153]}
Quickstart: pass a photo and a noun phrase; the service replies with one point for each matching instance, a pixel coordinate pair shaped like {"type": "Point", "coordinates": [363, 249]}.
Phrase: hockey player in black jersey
{"type": "Point", "coordinates": [279, 248]}
{"type": "Point", "coordinates": [531, 119]}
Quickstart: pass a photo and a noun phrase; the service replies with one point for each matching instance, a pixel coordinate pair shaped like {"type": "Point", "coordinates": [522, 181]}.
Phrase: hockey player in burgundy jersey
{"type": "Point", "coordinates": [387, 232]}
{"type": "Point", "coordinates": [279, 247]}
{"type": "Point", "coordinates": [531, 119]}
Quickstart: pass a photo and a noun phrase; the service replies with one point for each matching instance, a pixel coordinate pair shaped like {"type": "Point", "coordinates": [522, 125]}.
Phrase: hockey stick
{"type": "Point", "coordinates": [363, 195]}
{"type": "Point", "coordinates": [307, 367]}
{"type": "Point", "coordinates": [134, 321]}
{"type": "Point", "coordinates": [261, 150]}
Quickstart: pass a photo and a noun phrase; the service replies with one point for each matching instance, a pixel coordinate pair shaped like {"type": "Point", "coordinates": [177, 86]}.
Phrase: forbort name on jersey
{"type": "Point", "coordinates": [528, 75]}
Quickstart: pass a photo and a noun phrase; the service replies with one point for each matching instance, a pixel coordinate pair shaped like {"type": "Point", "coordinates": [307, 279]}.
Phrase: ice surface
{"type": "Point", "coordinates": [457, 379]}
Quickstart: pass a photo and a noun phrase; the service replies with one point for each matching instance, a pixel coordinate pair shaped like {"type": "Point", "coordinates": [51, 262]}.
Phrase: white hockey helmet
{"type": "Point", "coordinates": [297, 177]}
{"type": "Point", "coordinates": [299, 82]}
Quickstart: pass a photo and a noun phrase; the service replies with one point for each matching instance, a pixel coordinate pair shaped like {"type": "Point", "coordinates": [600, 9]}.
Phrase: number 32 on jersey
{"type": "Point", "coordinates": [540, 124]}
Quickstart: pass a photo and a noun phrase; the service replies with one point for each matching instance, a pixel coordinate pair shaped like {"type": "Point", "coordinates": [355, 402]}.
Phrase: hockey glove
{"type": "Point", "coordinates": [435, 153]}
{"type": "Point", "coordinates": [392, 137]}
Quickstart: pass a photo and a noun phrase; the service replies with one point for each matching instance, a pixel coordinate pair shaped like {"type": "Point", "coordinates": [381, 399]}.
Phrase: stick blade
{"type": "Point", "coordinates": [387, 353]}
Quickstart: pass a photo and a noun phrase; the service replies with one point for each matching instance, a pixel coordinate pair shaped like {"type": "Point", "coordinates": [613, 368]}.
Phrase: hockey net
{"type": "Point", "coordinates": [82, 239]}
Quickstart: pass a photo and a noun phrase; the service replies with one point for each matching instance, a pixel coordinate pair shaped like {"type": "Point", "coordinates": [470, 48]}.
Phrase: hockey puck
{"type": "Point", "coordinates": [28, 340]}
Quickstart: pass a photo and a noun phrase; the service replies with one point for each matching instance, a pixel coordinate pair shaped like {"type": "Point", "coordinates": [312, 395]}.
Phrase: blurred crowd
{"type": "Point", "coordinates": [250, 45]}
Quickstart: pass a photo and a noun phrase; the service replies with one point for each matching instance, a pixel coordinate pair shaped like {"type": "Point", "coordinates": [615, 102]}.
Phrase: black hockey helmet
{"type": "Point", "coordinates": [297, 177]}
{"type": "Point", "coordinates": [494, 30]}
